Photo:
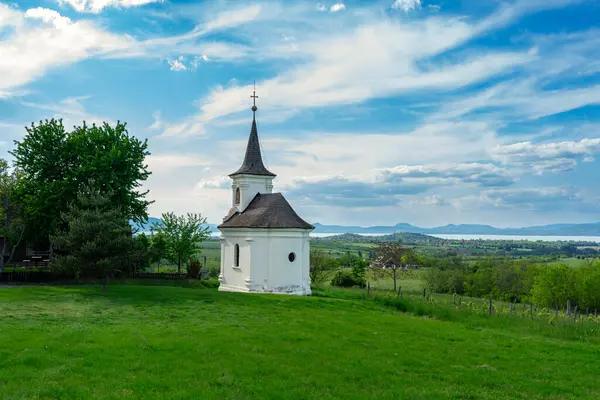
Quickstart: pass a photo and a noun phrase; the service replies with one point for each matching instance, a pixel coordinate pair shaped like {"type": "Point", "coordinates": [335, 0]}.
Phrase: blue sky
{"type": "Point", "coordinates": [370, 112]}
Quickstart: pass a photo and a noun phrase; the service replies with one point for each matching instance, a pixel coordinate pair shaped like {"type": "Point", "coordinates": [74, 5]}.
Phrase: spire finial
{"type": "Point", "coordinates": [254, 97]}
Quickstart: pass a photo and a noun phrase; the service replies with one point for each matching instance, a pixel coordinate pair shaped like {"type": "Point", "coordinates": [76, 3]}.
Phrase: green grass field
{"type": "Point", "coordinates": [161, 342]}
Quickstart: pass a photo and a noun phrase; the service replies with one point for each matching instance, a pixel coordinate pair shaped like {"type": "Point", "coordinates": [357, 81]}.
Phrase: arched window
{"type": "Point", "coordinates": [237, 196]}
{"type": "Point", "coordinates": [236, 255]}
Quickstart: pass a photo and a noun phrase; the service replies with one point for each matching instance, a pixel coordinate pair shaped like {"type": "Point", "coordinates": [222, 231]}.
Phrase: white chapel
{"type": "Point", "coordinates": [264, 243]}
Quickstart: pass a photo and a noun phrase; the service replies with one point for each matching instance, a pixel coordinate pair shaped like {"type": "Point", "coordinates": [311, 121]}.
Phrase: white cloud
{"type": "Point", "coordinates": [48, 16]}
{"type": "Point", "coordinates": [223, 182]}
{"type": "Point", "coordinates": [339, 6]}
{"type": "Point", "coordinates": [71, 110]}
{"type": "Point", "coordinates": [232, 18]}
{"type": "Point", "coordinates": [407, 5]}
{"type": "Point", "coordinates": [532, 199]}
{"type": "Point", "coordinates": [43, 39]}
{"type": "Point", "coordinates": [452, 173]}
{"type": "Point", "coordinates": [539, 90]}
{"type": "Point", "coordinates": [96, 6]}
{"type": "Point", "coordinates": [177, 64]}
{"type": "Point", "coordinates": [189, 127]}
{"type": "Point", "coordinates": [433, 200]}
{"type": "Point", "coordinates": [546, 157]}
{"type": "Point", "coordinates": [159, 163]}
{"type": "Point", "coordinates": [389, 64]}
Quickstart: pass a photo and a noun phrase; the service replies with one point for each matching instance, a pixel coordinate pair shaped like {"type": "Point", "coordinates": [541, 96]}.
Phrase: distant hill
{"type": "Point", "coordinates": [591, 229]}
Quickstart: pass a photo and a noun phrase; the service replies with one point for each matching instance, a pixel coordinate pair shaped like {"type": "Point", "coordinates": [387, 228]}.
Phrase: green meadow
{"type": "Point", "coordinates": [167, 342]}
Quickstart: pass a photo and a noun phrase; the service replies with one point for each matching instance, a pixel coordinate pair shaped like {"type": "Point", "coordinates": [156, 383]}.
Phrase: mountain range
{"type": "Point", "coordinates": [589, 229]}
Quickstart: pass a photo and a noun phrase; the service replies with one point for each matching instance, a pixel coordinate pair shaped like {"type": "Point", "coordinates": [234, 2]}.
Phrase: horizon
{"type": "Point", "coordinates": [472, 113]}
{"type": "Point", "coordinates": [429, 227]}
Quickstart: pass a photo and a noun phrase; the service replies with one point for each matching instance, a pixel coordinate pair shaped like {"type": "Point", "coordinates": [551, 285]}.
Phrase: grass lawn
{"type": "Point", "coordinates": [162, 342]}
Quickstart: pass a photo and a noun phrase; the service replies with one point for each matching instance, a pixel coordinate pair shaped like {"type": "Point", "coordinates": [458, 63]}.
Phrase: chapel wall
{"type": "Point", "coordinates": [284, 273]}
{"type": "Point", "coordinates": [235, 276]}
{"type": "Point", "coordinates": [250, 186]}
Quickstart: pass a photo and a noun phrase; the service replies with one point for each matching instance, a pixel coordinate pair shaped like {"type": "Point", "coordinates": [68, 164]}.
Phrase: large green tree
{"type": "Point", "coordinates": [12, 227]}
{"type": "Point", "coordinates": [184, 235]}
{"type": "Point", "coordinates": [55, 163]}
{"type": "Point", "coordinates": [99, 241]}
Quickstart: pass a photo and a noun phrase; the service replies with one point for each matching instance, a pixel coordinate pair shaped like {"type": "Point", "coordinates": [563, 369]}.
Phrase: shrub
{"type": "Point", "coordinates": [345, 278]}
{"type": "Point", "coordinates": [210, 284]}
{"type": "Point", "coordinates": [194, 268]}
{"type": "Point", "coordinates": [213, 271]}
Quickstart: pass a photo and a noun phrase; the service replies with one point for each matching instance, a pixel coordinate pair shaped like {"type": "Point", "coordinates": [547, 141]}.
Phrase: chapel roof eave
{"type": "Point", "coordinates": [267, 211]}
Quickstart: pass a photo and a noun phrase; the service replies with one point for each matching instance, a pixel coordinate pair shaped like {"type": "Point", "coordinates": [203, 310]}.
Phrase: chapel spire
{"type": "Point", "coordinates": [253, 164]}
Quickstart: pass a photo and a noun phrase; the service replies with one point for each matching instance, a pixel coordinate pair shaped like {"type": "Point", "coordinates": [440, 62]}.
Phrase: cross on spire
{"type": "Point", "coordinates": [254, 97]}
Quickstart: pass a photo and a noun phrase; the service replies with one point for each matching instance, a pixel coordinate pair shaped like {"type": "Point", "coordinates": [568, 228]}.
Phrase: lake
{"type": "Point", "coordinates": [482, 237]}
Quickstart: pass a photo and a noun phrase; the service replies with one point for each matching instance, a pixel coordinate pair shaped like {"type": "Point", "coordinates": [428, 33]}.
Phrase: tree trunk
{"type": "Point", "coordinates": [15, 245]}
{"type": "Point", "coordinates": [395, 279]}
{"type": "Point", "coordinates": [179, 266]}
{"type": "Point", "coordinates": [4, 246]}
{"type": "Point", "coordinates": [105, 287]}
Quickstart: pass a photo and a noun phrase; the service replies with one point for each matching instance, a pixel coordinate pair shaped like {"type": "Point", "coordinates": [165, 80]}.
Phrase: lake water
{"type": "Point", "coordinates": [492, 237]}
{"type": "Point", "coordinates": [523, 237]}
{"type": "Point", "coordinates": [482, 237]}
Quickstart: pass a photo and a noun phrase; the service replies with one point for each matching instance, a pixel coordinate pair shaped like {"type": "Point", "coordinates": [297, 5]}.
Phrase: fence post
{"type": "Point", "coordinates": [575, 313]}
{"type": "Point", "coordinates": [568, 308]}
{"type": "Point", "coordinates": [531, 309]}
{"type": "Point", "coordinates": [491, 311]}
{"type": "Point", "coordinates": [399, 291]}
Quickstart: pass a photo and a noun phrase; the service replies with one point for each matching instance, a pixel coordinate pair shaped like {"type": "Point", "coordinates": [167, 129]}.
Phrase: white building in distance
{"type": "Point", "coordinates": [264, 243]}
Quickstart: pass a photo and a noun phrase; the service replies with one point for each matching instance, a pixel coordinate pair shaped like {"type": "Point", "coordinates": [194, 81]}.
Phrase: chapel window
{"type": "Point", "coordinates": [292, 257]}
{"type": "Point", "coordinates": [236, 255]}
{"type": "Point", "coordinates": [237, 196]}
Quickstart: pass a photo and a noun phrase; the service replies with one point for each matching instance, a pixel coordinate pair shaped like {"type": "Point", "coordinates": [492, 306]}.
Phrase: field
{"type": "Point", "coordinates": [164, 342]}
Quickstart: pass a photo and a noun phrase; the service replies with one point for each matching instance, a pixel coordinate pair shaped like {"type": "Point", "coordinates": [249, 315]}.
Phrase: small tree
{"type": "Point", "coordinates": [391, 259]}
{"type": "Point", "coordinates": [184, 234]}
{"type": "Point", "coordinates": [98, 240]}
{"type": "Point", "coordinates": [319, 266]}
{"type": "Point", "coordinates": [12, 226]}
{"type": "Point", "coordinates": [158, 247]}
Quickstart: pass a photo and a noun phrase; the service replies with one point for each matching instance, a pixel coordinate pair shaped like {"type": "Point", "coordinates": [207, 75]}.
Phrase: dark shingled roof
{"type": "Point", "coordinates": [253, 164]}
{"type": "Point", "coordinates": [267, 210]}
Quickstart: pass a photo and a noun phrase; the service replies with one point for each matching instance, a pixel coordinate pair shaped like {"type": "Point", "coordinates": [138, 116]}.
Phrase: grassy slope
{"type": "Point", "coordinates": [157, 342]}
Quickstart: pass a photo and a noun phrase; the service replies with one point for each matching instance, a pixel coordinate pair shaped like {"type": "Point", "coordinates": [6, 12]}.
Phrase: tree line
{"type": "Point", "coordinates": [546, 285]}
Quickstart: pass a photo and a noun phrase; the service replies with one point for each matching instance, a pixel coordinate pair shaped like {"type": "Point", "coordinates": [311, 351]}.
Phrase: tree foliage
{"type": "Point", "coordinates": [54, 164]}
{"type": "Point", "coordinates": [12, 227]}
{"type": "Point", "coordinates": [391, 259]}
{"type": "Point", "coordinates": [319, 270]}
{"type": "Point", "coordinates": [184, 235]}
{"type": "Point", "coordinates": [158, 247]}
{"type": "Point", "coordinates": [98, 241]}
